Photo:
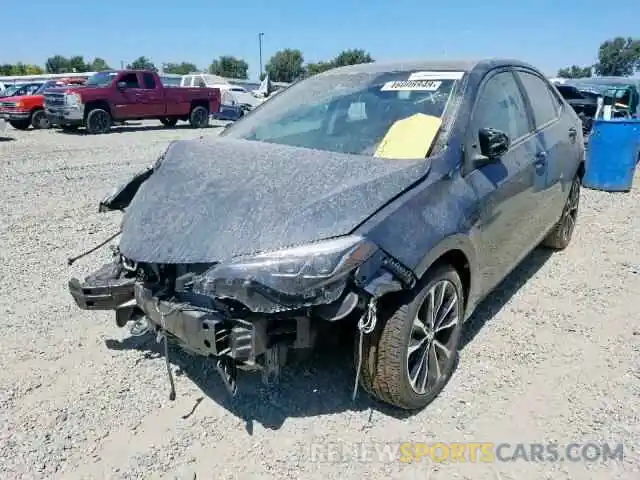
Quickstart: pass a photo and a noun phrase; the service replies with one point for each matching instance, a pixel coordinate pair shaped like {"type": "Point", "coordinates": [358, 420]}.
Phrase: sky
{"type": "Point", "coordinates": [548, 34]}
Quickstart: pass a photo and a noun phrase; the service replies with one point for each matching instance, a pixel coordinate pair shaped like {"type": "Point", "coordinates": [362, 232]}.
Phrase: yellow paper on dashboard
{"type": "Point", "coordinates": [409, 138]}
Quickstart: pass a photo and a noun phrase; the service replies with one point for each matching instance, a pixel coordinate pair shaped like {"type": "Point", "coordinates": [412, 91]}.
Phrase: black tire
{"type": "Point", "coordinates": [199, 117]}
{"type": "Point", "coordinates": [386, 359]}
{"type": "Point", "coordinates": [560, 236]}
{"type": "Point", "coordinates": [39, 120]}
{"type": "Point", "coordinates": [98, 121]}
{"type": "Point", "coordinates": [169, 121]}
{"type": "Point", "coordinates": [20, 124]}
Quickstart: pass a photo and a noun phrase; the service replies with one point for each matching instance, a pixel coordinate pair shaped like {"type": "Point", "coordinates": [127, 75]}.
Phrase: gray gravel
{"type": "Point", "coordinates": [557, 357]}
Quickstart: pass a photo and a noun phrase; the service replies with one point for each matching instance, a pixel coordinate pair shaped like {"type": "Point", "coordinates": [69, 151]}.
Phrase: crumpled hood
{"type": "Point", "coordinates": [215, 198]}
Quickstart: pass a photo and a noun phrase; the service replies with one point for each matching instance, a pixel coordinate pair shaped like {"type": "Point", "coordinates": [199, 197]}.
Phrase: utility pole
{"type": "Point", "coordinates": [260, 35]}
{"type": "Point", "coordinates": [121, 65]}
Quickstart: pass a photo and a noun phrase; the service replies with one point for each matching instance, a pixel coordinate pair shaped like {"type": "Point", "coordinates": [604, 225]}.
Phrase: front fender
{"type": "Point", "coordinates": [121, 197]}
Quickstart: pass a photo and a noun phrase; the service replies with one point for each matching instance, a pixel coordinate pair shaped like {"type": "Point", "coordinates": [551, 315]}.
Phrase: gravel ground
{"type": "Point", "coordinates": [553, 355]}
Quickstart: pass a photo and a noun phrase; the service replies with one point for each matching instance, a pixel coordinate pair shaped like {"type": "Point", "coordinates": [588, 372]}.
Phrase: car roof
{"type": "Point", "coordinates": [434, 65]}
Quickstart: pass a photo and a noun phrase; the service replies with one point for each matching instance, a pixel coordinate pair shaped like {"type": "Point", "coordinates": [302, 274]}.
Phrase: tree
{"type": "Point", "coordinates": [77, 64]}
{"type": "Point", "coordinates": [5, 69]}
{"type": "Point", "coordinates": [142, 63]}
{"type": "Point", "coordinates": [57, 64]}
{"type": "Point", "coordinates": [619, 57]}
{"type": "Point", "coordinates": [99, 65]}
{"type": "Point", "coordinates": [230, 67]}
{"type": "Point", "coordinates": [574, 71]}
{"type": "Point", "coordinates": [351, 57]}
{"type": "Point", "coordinates": [285, 65]}
{"type": "Point", "coordinates": [182, 68]}
{"type": "Point", "coordinates": [315, 68]}
{"type": "Point", "coordinates": [20, 69]}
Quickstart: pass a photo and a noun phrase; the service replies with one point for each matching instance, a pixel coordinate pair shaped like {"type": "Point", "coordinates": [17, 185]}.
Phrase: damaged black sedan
{"type": "Point", "coordinates": [392, 197]}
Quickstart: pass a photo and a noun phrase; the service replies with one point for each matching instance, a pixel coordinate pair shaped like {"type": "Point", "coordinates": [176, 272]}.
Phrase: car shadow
{"type": "Point", "coordinates": [497, 299]}
{"type": "Point", "coordinates": [320, 385]}
{"type": "Point", "coordinates": [7, 139]}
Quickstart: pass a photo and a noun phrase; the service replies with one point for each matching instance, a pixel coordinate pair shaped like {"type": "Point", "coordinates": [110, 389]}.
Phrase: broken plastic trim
{"type": "Point", "coordinates": [121, 197]}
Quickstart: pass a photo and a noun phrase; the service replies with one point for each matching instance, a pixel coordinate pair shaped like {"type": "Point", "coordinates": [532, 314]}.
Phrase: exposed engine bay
{"type": "Point", "coordinates": [245, 324]}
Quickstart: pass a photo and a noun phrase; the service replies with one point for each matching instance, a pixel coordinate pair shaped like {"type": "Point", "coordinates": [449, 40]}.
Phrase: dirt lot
{"type": "Point", "coordinates": [553, 356]}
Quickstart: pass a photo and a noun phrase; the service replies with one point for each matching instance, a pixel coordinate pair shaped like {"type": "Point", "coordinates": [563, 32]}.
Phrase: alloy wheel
{"type": "Point", "coordinates": [99, 121]}
{"type": "Point", "coordinates": [431, 342]}
{"type": "Point", "coordinates": [200, 117]}
{"type": "Point", "coordinates": [570, 213]}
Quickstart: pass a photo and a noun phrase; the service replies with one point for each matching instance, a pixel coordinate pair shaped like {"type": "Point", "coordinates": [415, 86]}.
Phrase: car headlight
{"type": "Point", "coordinates": [292, 278]}
{"type": "Point", "coordinates": [19, 105]}
{"type": "Point", "coordinates": [72, 99]}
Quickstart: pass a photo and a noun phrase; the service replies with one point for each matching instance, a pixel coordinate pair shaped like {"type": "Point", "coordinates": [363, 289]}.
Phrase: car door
{"type": "Point", "coordinates": [127, 105]}
{"type": "Point", "coordinates": [504, 188]}
{"type": "Point", "coordinates": [557, 145]}
{"type": "Point", "coordinates": [151, 97]}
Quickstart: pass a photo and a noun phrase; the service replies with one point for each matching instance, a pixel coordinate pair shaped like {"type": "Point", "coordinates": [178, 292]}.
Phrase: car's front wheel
{"type": "Point", "coordinates": [560, 236]}
{"type": "Point", "coordinates": [409, 359]}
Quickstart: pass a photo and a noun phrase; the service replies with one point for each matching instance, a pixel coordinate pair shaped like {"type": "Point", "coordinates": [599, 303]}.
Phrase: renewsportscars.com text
{"type": "Point", "coordinates": [466, 452]}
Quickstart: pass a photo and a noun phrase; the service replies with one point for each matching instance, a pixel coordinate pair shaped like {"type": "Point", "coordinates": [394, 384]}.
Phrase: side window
{"type": "Point", "coordinates": [149, 81]}
{"type": "Point", "coordinates": [544, 102]}
{"type": "Point", "coordinates": [201, 83]}
{"type": "Point", "coordinates": [501, 106]}
{"type": "Point", "coordinates": [131, 79]}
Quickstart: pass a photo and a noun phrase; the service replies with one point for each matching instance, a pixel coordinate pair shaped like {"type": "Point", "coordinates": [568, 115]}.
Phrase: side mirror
{"type": "Point", "coordinates": [493, 145]}
{"type": "Point", "coordinates": [121, 85]}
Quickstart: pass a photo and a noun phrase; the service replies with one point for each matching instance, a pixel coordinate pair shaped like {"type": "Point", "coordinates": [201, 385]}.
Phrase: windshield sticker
{"type": "Point", "coordinates": [403, 85]}
{"type": "Point", "coordinates": [409, 138]}
{"type": "Point", "coordinates": [436, 75]}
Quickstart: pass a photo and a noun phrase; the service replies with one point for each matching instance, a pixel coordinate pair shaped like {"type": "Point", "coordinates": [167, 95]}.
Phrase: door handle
{"type": "Point", "coordinates": [573, 133]}
{"type": "Point", "coordinates": [541, 160]}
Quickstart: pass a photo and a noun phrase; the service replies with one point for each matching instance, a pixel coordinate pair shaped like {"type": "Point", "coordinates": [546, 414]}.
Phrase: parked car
{"type": "Point", "coordinates": [585, 104]}
{"type": "Point", "coordinates": [117, 96]}
{"type": "Point", "coordinates": [236, 100]}
{"type": "Point", "coordinates": [25, 108]}
{"type": "Point", "coordinates": [21, 89]}
{"type": "Point", "coordinates": [393, 200]}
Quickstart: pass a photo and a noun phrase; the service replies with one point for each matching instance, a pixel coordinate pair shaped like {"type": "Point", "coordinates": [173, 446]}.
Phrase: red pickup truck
{"type": "Point", "coordinates": [117, 96]}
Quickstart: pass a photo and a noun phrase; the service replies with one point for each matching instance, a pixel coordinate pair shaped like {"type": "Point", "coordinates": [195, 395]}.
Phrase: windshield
{"type": "Point", "coordinates": [350, 113]}
{"type": "Point", "coordinates": [102, 79]}
{"type": "Point", "coordinates": [47, 85]}
{"type": "Point", "coordinates": [10, 90]}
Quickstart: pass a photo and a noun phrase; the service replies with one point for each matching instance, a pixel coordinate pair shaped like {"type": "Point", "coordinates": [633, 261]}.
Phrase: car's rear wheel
{"type": "Point", "coordinates": [169, 121]}
{"type": "Point", "coordinates": [409, 358]}
{"type": "Point", "coordinates": [98, 121]}
{"type": "Point", "coordinates": [560, 236]}
{"type": "Point", "coordinates": [39, 120]}
{"type": "Point", "coordinates": [199, 117]}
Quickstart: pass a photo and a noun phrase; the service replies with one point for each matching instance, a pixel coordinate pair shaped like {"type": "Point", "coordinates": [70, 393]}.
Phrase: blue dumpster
{"type": "Point", "coordinates": [614, 147]}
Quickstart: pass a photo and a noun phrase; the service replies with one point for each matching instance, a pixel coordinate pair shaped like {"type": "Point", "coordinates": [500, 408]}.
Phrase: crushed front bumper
{"type": "Point", "coordinates": [203, 331]}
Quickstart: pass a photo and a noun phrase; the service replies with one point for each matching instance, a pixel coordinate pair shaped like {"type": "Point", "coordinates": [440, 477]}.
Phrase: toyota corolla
{"type": "Point", "coordinates": [394, 197]}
